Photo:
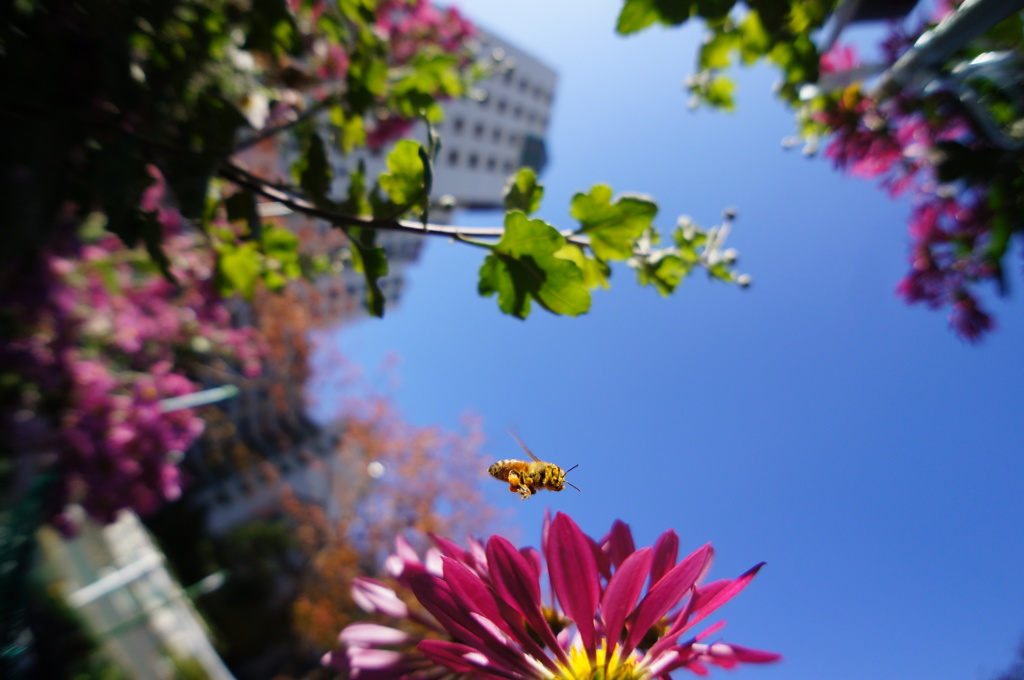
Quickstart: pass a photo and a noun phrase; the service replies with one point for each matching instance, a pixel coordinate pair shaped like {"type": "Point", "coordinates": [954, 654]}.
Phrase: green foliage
{"type": "Point", "coordinates": [613, 227]}
{"type": "Point", "coordinates": [403, 182]}
{"type": "Point", "coordinates": [238, 267]}
{"type": "Point", "coordinates": [163, 97]}
{"type": "Point", "coordinates": [523, 266]}
{"type": "Point", "coordinates": [637, 15]}
{"type": "Point", "coordinates": [748, 32]}
{"type": "Point", "coordinates": [524, 192]}
{"type": "Point", "coordinates": [370, 260]}
{"type": "Point", "coordinates": [314, 172]}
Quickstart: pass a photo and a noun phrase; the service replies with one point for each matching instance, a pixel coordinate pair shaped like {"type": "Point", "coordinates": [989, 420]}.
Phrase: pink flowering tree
{"type": "Point", "coordinates": [125, 243]}
{"type": "Point", "coordinates": [952, 148]}
{"type": "Point", "coordinates": [964, 184]}
{"type": "Point", "coordinates": [96, 353]}
{"type": "Point", "coordinates": [612, 611]}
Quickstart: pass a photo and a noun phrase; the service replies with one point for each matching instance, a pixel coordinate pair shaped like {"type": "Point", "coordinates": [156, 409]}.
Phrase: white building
{"type": "Point", "coordinates": [486, 139]}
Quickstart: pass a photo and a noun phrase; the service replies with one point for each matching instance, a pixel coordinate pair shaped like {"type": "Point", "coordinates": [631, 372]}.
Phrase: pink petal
{"type": "Point", "coordinates": [373, 596]}
{"type": "Point", "coordinates": [451, 549]}
{"type": "Point", "coordinates": [405, 550]}
{"type": "Point", "coordinates": [467, 586]}
{"type": "Point", "coordinates": [709, 599]}
{"type": "Point", "coordinates": [515, 626]}
{"type": "Point", "coordinates": [516, 585]}
{"type": "Point", "coordinates": [375, 658]}
{"type": "Point", "coordinates": [533, 557]}
{"type": "Point", "coordinates": [622, 592]}
{"type": "Point", "coordinates": [574, 575]}
{"type": "Point", "coordinates": [372, 634]}
{"type": "Point", "coordinates": [463, 659]}
{"type": "Point", "coordinates": [665, 594]}
{"type": "Point", "coordinates": [750, 655]}
{"type": "Point", "coordinates": [604, 563]}
{"type": "Point", "coordinates": [618, 544]}
{"type": "Point", "coordinates": [664, 663]}
{"type": "Point", "coordinates": [448, 654]}
{"type": "Point", "coordinates": [666, 552]}
{"type": "Point", "coordinates": [437, 598]}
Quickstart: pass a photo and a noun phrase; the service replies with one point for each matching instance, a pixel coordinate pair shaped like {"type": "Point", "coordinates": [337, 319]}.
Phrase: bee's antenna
{"type": "Point", "coordinates": [570, 483]}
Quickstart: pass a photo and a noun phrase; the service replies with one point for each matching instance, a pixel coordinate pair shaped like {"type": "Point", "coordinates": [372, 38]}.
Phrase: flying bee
{"type": "Point", "coordinates": [525, 477]}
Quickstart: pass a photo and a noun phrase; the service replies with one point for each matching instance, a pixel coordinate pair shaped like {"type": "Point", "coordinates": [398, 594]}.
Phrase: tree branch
{"type": "Point", "coordinates": [243, 178]}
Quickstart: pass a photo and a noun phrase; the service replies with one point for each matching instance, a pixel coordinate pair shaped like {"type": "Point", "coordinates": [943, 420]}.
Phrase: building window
{"type": "Point", "coordinates": [496, 135]}
{"type": "Point", "coordinates": [507, 166]}
{"type": "Point", "coordinates": [508, 76]}
{"type": "Point", "coordinates": [513, 140]}
{"type": "Point", "coordinates": [457, 125]}
{"type": "Point", "coordinates": [517, 112]}
{"type": "Point", "coordinates": [523, 85]}
{"type": "Point", "coordinates": [530, 117]}
{"type": "Point", "coordinates": [453, 157]}
{"type": "Point", "coordinates": [478, 130]}
{"type": "Point", "coordinates": [473, 161]}
{"type": "Point", "coordinates": [492, 163]}
{"type": "Point", "coordinates": [502, 105]}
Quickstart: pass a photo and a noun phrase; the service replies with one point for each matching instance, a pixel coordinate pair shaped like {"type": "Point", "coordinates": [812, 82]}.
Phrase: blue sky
{"type": "Point", "coordinates": [814, 421]}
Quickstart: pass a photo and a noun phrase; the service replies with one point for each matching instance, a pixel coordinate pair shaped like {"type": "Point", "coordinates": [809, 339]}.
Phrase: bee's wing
{"type": "Point", "coordinates": [523, 446]}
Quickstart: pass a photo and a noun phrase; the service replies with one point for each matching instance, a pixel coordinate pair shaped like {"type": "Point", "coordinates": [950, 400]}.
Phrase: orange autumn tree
{"type": "Point", "coordinates": [403, 480]}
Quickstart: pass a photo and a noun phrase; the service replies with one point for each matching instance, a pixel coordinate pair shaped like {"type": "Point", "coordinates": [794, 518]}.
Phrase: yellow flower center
{"type": "Point", "coordinates": [602, 667]}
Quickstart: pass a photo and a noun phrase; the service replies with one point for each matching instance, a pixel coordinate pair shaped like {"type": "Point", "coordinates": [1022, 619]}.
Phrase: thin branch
{"type": "Point", "coordinates": [237, 175]}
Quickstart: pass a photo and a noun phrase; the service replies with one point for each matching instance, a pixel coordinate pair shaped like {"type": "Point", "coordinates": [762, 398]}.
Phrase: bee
{"type": "Point", "coordinates": [525, 477]}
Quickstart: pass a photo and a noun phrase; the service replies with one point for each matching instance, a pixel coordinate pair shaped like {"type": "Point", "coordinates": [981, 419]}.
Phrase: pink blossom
{"type": "Point", "coordinates": [623, 613]}
{"type": "Point", "coordinates": [839, 58]}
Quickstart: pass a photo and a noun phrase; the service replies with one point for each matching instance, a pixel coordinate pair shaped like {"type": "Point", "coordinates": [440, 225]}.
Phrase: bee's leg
{"type": "Point", "coordinates": [526, 491]}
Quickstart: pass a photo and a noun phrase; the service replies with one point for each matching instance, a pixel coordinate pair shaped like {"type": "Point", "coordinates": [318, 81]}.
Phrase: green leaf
{"type": "Point", "coordinates": [428, 180]}
{"type": "Point", "coordinates": [356, 203]}
{"type": "Point", "coordinates": [314, 172]}
{"type": "Point", "coordinates": [272, 29]}
{"type": "Point", "coordinates": [715, 53]}
{"type": "Point", "coordinates": [664, 273]}
{"type": "Point", "coordinates": [238, 268]}
{"type": "Point", "coordinates": [675, 12]}
{"type": "Point", "coordinates": [281, 246]}
{"type": "Point", "coordinates": [523, 192]}
{"type": "Point", "coordinates": [613, 227]}
{"type": "Point", "coordinates": [755, 41]}
{"type": "Point", "coordinates": [635, 16]}
{"type": "Point", "coordinates": [350, 131]}
{"type": "Point", "coordinates": [372, 262]}
{"type": "Point", "coordinates": [523, 266]}
{"type": "Point", "coordinates": [241, 207]}
{"type": "Point", "coordinates": [595, 272]}
{"type": "Point", "coordinates": [719, 93]}
{"type": "Point", "coordinates": [714, 9]}
{"type": "Point", "coordinates": [403, 182]}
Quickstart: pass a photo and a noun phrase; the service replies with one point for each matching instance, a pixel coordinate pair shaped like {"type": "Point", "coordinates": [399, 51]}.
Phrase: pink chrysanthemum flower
{"type": "Point", "coordinates": [622, 613]}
